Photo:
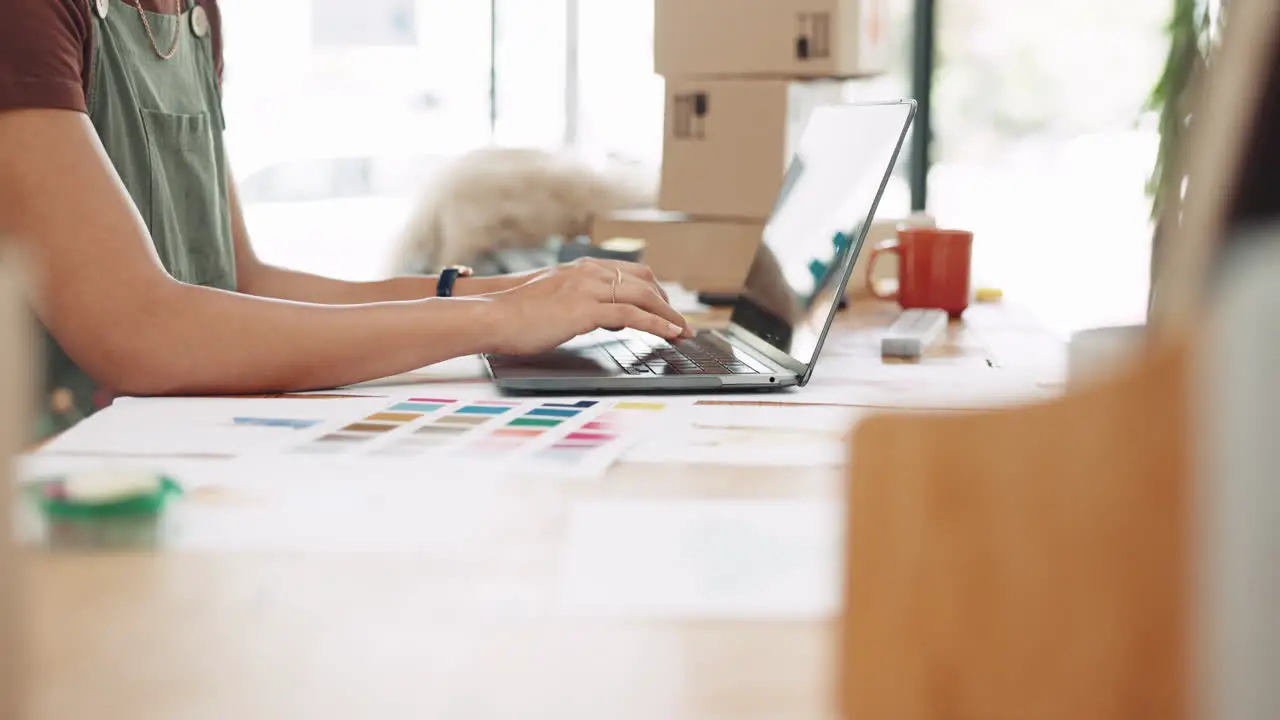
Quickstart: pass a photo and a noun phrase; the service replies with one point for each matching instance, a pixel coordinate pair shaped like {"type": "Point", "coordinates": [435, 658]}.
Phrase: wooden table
{"type": "Point", "coordinates": [190, 636]}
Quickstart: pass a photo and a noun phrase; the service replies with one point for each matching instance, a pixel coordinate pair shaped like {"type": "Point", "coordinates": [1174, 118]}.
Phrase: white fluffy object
{"type": "Point", "coordinates": [506, 197]}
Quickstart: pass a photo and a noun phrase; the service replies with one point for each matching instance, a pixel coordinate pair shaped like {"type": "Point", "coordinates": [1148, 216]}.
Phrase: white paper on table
{"type": "Point", "coordinates": [753, 436]}
{"type": "Point", "coordinates": [266, 505]}
{"type": "Point", "coordinates": [313, 505]}
{"type": "Point", "coordinates": [899, 395]}
{"type": "Point", "coordinates": [202, 426]}
{"type": "Point", "coordinates": [264, 473]}
{"type": "Point", "coordinates": [704, 559]}
{"type": "Point", "coordinates": [456, 374]}
{"type": "Point", "coordinates": [194, 473]}
{"type": "Point", "coordinates": [892, 386]}
{"type": "Point", "coordinates": [907, 386]}
{"type": "Point", "coordinates": [347, 434]}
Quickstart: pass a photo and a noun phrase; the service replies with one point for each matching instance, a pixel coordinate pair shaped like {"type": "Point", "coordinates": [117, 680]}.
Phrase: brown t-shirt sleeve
{"type": "Point", "coordinates": [44, 54]}
{"type": "Point", "coordinates": [46, 51]}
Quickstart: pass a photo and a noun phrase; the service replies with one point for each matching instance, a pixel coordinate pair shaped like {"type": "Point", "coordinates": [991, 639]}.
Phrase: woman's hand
{"type": "Point", "coordinates": [560, 303]}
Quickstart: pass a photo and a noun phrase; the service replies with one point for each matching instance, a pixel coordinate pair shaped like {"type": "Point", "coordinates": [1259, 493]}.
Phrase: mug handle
{"type": "Point", "coordinates": [887, 246]}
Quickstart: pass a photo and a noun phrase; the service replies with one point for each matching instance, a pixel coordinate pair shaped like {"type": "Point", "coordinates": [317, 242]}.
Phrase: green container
{"type": "Point", "coordinates": [132, 523]}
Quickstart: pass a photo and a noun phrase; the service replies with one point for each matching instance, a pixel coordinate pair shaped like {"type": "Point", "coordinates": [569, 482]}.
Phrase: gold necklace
{"type": "Point", "coordinates": [177, 32]}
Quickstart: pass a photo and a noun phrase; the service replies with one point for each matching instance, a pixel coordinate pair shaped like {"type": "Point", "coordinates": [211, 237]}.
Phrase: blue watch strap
{"type": "Point", "coordinates": [449, 276]}
{"type": "Point", "coordinates": [444, 286]}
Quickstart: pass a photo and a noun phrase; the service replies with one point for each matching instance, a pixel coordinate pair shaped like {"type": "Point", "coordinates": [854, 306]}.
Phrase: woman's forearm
{"type": "Point", "coordinates": [274, 282]}
{"type": "Point", "coordinates": [202, 341]}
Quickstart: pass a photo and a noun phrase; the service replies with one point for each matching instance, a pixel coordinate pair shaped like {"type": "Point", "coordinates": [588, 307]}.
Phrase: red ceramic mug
{"type": "Point", "coordinates": [933, 268]}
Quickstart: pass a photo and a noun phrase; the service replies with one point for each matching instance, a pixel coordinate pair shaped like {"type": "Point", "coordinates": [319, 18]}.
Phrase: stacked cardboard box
{"type": "Point", "coordinates": [742, 77]}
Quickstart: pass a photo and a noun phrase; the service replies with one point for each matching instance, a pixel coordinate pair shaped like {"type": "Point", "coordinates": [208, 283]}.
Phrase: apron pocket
{"type": "Point", "coordinates": [187, 199]}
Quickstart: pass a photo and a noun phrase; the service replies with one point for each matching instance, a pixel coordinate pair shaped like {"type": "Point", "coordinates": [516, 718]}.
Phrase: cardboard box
{"type": "Point", "coordinates": [16, 381]}
{"type": "Point", "coordinates": [703, 255]}
{"type": "Point", "coordinates": [727, 143]}
{"type": "Point", "coordinates": [771, 38]}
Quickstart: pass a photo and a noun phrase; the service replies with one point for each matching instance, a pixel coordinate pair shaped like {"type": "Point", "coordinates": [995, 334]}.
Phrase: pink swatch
{"type": "Point", "coordinates": [593, 437]}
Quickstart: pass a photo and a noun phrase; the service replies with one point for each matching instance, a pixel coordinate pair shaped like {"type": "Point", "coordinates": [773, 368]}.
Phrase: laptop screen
{"type": "Point", "coordinates": [828, 200]}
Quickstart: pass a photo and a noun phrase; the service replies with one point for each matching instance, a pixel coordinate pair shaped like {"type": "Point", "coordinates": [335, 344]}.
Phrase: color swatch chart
{"type": "Point", "coordinates": [615, 423]}
{"type": "Point", "coordinates": [564, 432]}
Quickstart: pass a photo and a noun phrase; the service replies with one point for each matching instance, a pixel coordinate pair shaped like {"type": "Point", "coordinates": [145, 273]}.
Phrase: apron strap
{"type": "Point", "coordinates": [96, 25]}
{"type": "Point", "coordinates": [95, 51]}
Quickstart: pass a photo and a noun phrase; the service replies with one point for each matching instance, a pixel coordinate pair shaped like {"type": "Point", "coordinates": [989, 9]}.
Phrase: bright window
{"type": "Point", "coordinates": [621, 99]}
{"type": "Point", "coordinates": [531, 41]}
{"type": "Point", "coordinates": [1041, 147]}
{"type": "Point", "coordinates": [337, 112]}
{"type": "Point", "coordinates": [1040, 144]}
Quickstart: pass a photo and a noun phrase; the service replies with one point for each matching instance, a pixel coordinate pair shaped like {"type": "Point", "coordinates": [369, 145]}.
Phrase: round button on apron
{"type": "Point", "coordinates": [102, 6]}
{"type": "Point", "coordinates": [199, 21]}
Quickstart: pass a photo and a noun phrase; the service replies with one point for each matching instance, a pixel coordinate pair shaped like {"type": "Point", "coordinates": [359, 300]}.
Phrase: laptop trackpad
{"type": "Point", "coordinates": [565, 361]}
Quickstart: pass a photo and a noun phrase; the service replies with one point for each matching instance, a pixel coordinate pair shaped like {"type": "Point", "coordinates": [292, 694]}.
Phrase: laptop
{"type": "Point", "coordinates": [811, 241]}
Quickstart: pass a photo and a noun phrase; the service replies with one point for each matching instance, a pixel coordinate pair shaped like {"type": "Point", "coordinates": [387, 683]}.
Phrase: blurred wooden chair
{"type": "Point", "coordinates": [16, 389]}
{"type": "Point", "coordinates": [1111, 554]}
{"type": "Point", "coordinates": [1025, 563]}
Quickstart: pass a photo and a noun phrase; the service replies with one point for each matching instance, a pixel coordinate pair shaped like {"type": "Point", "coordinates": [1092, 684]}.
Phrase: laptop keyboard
{"type": "Point", "coordinates": [701, 355]}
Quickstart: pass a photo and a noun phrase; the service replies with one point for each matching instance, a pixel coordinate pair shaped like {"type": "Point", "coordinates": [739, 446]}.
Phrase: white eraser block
{"type": "Point", "coordinates": [913, 332]}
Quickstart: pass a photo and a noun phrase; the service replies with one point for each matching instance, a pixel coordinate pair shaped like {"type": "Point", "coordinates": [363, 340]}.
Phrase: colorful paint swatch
{"type": "Point", "coordinates": [639, 406]}
{"type": "Point", "coordinates": [519, 432]}
{"type": "Point", "coordinates": [597, 438]}
{"type": "Point", "coordinates": [535, 422]}
{"type": "Point", "coordinates": [582, 433]}
{"type": "Point", "coordinates": [581, 404]}
{"type": "Point", "coordinates": [416, 407]}
{"type": "Point", "coordinates": [553, 412]}
{"type": "Point", "coordinates": [394, 417]}
{"type": "Point", "coordinates": [470, 420]}
{"type": "Point", "coordinates": [368, 427]}
{"type": "Point", "coordinates": [276, 422]}
{"type": "Point", "coordinates": [441, 430]}
{"type": "Point", "coordinates": [483, 410]}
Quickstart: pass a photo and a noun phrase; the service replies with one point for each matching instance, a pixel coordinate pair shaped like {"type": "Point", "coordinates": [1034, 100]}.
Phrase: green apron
{"type": "Point", "coordinates": [161, 124]}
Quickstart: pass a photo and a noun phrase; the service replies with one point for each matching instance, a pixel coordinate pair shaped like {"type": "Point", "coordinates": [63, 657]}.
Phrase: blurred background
{"type": "Point", "coordinates": [338, 112]}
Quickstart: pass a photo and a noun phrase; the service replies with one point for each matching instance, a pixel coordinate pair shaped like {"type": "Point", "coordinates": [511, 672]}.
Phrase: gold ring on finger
{"type": "Point", "coordinates": [617, 280]}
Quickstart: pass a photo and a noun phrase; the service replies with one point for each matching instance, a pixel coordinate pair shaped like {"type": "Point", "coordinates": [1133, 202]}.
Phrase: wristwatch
{"type": "Point", "coordinates": [448, 276]}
